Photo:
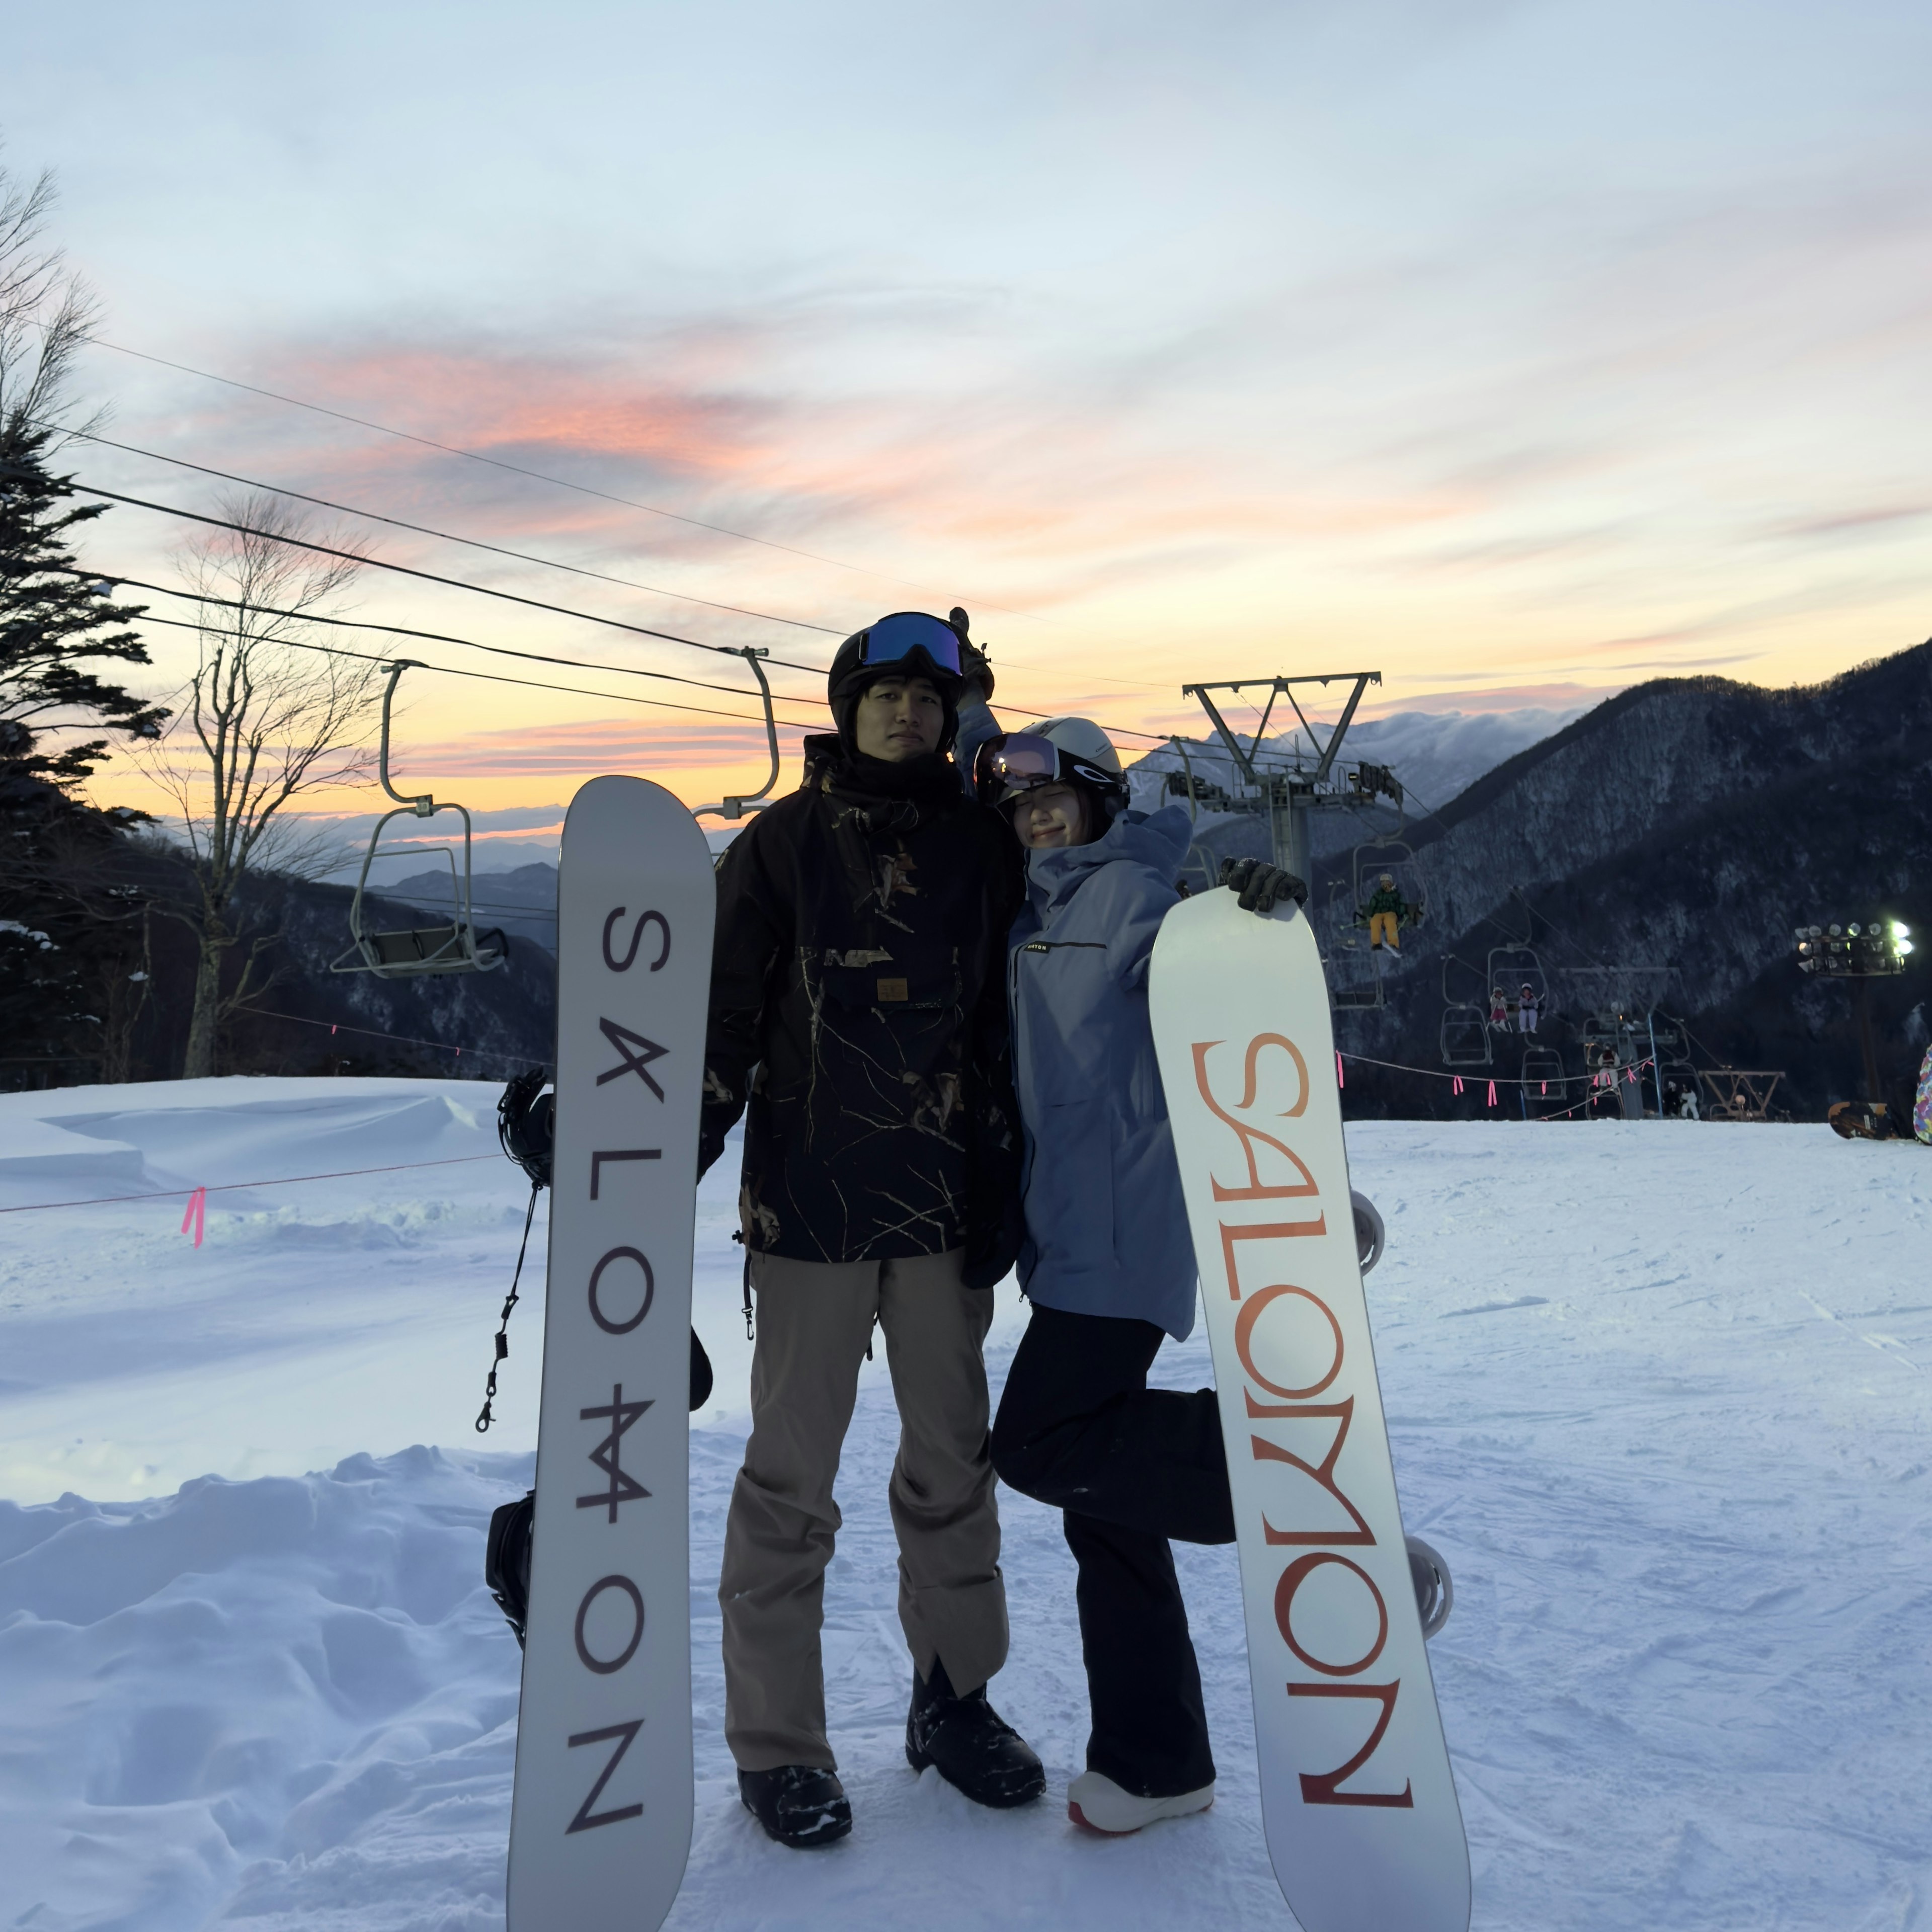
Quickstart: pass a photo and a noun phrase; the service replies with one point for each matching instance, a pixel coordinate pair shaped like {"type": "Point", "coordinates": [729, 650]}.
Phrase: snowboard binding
{"type": "Point", "coordinates": [1371, 1236]}
{"type": "Point", "coordinates": [506, 1561]}
{"type": "Point", "coordinates": [1435, 1593]}
{"type": "Point", "coordinates": [527, 1123]}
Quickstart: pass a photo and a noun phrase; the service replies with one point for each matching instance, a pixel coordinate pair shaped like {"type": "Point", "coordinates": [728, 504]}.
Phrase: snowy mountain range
{"type": "Point", "coordinates": [1436, 754]}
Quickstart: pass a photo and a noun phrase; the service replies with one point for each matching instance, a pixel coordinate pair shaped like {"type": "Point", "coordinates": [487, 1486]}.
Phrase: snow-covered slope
{"type": "Point", "coordinates": [1661, 1392]}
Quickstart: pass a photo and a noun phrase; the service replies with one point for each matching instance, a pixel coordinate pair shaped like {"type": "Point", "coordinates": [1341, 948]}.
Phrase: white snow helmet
{"type": "Point", "coordinates": [1072, 751]}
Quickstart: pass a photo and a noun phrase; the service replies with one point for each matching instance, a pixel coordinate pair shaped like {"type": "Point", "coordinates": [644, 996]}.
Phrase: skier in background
{"type": "Point", "coordinates": [1108, 1262]}
{"type": "Point", "coordinates": [858, 1020]}
{"type": "Point", "coordinates": [1527, 1008]}
{"type": "Point", "coordinates": [1385, 912]}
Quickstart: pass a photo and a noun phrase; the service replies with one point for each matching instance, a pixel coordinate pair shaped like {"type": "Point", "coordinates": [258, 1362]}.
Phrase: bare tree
{"type": "Point", "coordinates": [45, 311]}
{"type": "Point", "coordinates": [265, 718]}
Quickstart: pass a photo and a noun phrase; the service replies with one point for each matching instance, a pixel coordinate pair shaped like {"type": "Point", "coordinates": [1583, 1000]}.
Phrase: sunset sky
{"type": "Point", "coordinates": [1521, 352]}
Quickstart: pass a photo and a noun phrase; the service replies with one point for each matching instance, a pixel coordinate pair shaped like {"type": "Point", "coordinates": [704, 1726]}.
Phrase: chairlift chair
{"type": "Point", "coordinates": [1541, 1063]}
{"type": "Point", "coordinates": [1359, 999]}
{"type": "Point", "coordinates": [1543, 1068]}
{"type": "Point", "coordinates": [1465, 1036]}
{"type": "Point", "coordinates": [418, 952]}
{"type": "Point", "coordinates": [1512, 967]}
{"type": "Point", "coordinates": [1199, 865]}
{"type": "Point", "coordinates": [751, 801]}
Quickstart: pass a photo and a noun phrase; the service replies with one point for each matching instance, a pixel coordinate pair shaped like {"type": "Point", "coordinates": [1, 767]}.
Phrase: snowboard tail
{"type": "Point", "coordinates": [1358, 1800]}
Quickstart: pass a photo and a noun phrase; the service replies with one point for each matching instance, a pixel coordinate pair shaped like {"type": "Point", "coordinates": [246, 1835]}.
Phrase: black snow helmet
{"type": "Point", "coordinates": [902, 644]}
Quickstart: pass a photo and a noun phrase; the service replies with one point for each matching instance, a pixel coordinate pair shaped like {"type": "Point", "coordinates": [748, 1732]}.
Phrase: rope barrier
{"type": "Point", "coordinates": [231, 1186]}
{"type": "Point", "coordinates": [406, 1039]}
{"type": "Point", "coordinates": [1497, 1080]}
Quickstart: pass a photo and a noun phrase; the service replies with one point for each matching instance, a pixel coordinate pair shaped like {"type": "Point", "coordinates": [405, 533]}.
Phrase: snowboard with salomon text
{"type": "Point", "coordinates": [600, 1824]}
{"type": "Point", "coordinates": [1357, 1801]}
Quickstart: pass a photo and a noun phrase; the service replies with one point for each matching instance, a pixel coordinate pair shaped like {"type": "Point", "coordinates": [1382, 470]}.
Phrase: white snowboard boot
{"type": "Point", "coordinates": [1101, 1805]}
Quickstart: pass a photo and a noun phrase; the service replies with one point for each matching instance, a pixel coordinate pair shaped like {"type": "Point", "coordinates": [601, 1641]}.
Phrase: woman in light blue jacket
{"type": "Point", "coordinates": [1108, 1263]}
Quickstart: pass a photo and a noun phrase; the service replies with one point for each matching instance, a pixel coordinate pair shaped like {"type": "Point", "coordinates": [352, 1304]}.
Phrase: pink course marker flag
{"type": "Point", "coordinates": [197, 1216]}
{"type": "Point", "coordinates": [1341, 1079]}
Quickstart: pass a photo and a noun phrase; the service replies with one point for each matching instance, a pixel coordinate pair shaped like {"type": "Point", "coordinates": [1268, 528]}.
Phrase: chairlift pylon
{"type": "Point", "coordinates": [417, 951]}
{"type": "Point", "coordinates": [751, 801]}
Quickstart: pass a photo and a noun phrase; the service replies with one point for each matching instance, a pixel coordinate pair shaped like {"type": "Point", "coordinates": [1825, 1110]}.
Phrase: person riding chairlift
{"type": "Point", "coordinates": [1527, 1009]}
{"type": "Point", "coordinates": [1385, 912]}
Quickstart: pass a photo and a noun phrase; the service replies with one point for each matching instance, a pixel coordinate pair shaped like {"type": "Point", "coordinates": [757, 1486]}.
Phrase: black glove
{"type": "Point", "coordinates": [1261, 887]}
{"type": "Point", "coordinates": [974, 668]}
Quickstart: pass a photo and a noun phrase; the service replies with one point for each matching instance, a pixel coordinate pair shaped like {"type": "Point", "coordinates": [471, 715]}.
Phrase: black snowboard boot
{"type": "Point", "coordinates": [974, 1749]}
{"type": "Point", "coordinates": [798, 1804]}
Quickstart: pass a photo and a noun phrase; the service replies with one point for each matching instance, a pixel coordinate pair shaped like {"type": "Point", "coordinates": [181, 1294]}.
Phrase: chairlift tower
{"type": "Point", "coordinates": [1309, 785]}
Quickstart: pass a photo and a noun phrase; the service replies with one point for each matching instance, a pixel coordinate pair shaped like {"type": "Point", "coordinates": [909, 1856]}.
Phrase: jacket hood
{"type": "Point", "coordinates": [1159, 840]}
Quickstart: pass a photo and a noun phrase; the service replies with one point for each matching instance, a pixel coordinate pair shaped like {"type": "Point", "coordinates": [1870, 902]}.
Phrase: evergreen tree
{"type": "Point", "coordinates": [72, 924]}
{"type": "Point", "coordinates": [55, 618]}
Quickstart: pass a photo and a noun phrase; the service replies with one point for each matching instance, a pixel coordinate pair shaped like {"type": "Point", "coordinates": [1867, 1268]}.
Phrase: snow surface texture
{"type": "Point", "coordinates": [1659, 1392]}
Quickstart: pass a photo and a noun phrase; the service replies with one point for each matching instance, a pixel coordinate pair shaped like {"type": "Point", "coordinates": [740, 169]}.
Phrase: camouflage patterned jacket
{"type": "Point", "coordinates": [858, 1017]}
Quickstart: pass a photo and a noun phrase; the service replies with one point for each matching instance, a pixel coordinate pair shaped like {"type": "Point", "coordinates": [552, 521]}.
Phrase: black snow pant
{"type": "Point", "coordinates": [1130, 1467]}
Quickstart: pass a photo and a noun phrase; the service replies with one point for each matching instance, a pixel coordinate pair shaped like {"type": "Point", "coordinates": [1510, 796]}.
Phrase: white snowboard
{"type": "Point", "coordinates": [1358, 1800]}
{"type": "Point", "coordinates": [600, 1827]}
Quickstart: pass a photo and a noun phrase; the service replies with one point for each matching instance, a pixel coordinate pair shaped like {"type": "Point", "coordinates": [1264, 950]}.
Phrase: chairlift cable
{"type": "Point", "coordinates": [441, 536]}
{"type": "Point", "coordinates": [495, 677]}
{"type": "Point", "coordinates": [537, 475]}
{"type": "Point", "coordinates": [422, 576]}
{"type": "Point", "coordinates": [485, 590]}
{"type": "Point", "coordinates": [402, 630]}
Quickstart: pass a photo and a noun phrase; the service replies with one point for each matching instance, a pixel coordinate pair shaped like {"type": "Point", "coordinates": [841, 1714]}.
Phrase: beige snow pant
{"type": "Point", "coordinates": [814, 1321]}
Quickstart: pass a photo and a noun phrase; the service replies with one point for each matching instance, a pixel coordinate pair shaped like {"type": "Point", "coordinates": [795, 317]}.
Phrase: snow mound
{"type": "Point", "coordinates": [259, 1694]}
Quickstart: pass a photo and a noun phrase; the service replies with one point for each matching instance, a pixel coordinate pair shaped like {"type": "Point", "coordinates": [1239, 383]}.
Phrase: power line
{"type": "Point", "coordinates": [538, 475]}
{"type": "Point", "coordinates": [441, 536]}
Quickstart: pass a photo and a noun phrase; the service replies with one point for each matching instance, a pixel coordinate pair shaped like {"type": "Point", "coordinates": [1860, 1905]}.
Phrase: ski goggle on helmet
{"type": "Point", "coordinates": [909, 635]}
{"type": "Point", "coordinates": [1061, 753]}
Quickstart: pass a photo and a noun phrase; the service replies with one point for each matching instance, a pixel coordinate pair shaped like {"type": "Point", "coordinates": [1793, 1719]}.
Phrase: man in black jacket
{"type": "Point", "coordinates": [858, 1020]}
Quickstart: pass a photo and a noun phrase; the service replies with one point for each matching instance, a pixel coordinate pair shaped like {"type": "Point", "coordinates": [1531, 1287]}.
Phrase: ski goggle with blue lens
{"type": "Point", "coordinates": [906, 632]}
